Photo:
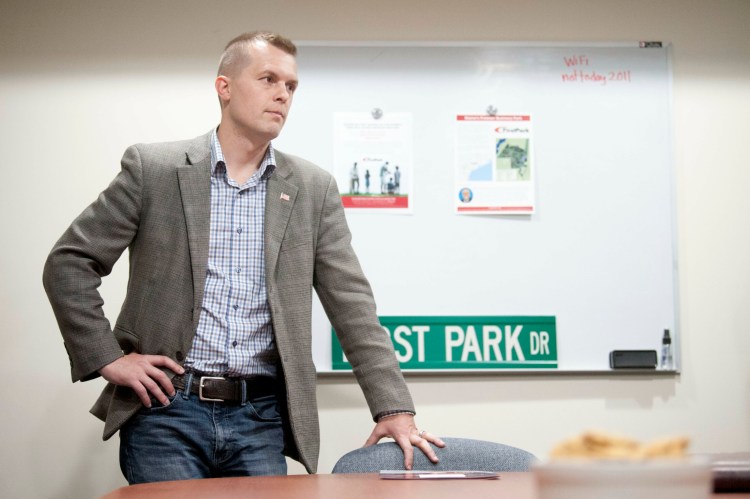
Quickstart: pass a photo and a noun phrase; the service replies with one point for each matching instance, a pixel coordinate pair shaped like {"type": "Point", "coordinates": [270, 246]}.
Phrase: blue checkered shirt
{"type": "Point", "coordinates": [235, 334]}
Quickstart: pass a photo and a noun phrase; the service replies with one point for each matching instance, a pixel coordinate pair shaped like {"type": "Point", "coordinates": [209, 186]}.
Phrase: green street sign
{"type": "Point", "coordinates": [467, 342]}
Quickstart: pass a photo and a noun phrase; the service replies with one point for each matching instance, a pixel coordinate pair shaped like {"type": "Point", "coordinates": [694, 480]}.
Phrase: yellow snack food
{"type": "Point", "coordinates": [600, 445]}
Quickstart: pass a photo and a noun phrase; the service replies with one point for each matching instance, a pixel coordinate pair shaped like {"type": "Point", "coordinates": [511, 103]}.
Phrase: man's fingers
{"type": "Point", "coordinates": [403, 430]}
{"type": "Point", "coordinates": [142, 393]}
{"type": "Point", "coordinates": [424, 446]}
{"type": "Point", "coordinates": [437, 441]}
{"type": "Point", "coordinates": [433, 439]}
{"type": "Point", "coordinates": [164, 361]}
{"type": "Point", "coordinates": [155, 390]}
{"type": "Point", "coordinates": [406, 446]}
{"type": "Point", "coordinates": [375, 437]}
{"type": "Point", "coordinates": [142, 374]}
{"type": "Point", "coordinates": [158, 375]}
{"type": "Point", "coordinates": [372, 440]}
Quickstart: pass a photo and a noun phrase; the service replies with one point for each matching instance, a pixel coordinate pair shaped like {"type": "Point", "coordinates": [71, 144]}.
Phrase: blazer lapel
{"type": "Point", "coordinates": [280, 197]}
{"type": "Point", "coordinates": [195, 189]}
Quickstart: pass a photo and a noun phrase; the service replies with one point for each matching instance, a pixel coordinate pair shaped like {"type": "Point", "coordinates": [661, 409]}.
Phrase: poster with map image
{"type": "Point", "coordinates": [494, 164]}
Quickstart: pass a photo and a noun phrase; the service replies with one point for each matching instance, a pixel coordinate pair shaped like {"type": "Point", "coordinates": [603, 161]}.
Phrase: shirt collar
{"type": "Point", "coordinates": [267, 165]}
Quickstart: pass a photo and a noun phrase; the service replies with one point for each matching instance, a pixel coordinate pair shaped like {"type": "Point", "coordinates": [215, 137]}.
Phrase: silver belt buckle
{"type": "Point", "coordinates": [200, 389]}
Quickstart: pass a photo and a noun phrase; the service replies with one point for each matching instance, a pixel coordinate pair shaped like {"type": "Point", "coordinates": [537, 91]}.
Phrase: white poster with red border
{"type": "Point", "coordinates": [373, 161]}
{"type": "Point", "coordinates": [494, 165]}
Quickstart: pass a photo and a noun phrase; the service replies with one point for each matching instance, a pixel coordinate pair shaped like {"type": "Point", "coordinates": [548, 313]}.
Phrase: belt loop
{"type": "Point", "coordinates": [243, 392]}
{"type": "Point", "coordinates": [188, 385]}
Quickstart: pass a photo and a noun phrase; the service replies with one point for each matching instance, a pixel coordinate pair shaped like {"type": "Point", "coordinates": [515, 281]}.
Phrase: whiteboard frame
{"type": "Point", "coordinates": [676, 336]}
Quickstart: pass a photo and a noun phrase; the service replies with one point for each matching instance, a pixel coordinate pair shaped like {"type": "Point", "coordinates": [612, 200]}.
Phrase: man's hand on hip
{"type": "Point", "coordinates": [142, 374]}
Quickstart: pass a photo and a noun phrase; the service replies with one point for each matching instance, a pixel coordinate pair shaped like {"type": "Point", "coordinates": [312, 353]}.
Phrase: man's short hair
{"type": "Point", "coordinates": [236, 55]}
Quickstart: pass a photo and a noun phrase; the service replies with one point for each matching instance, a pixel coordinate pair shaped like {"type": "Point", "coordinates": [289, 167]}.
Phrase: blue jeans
{"type": "Point", "coordinates": [190, 439]}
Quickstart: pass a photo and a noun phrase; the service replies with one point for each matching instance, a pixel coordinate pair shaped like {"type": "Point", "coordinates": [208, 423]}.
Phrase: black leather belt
{"type": "Point", "coordinates": [220, 389]}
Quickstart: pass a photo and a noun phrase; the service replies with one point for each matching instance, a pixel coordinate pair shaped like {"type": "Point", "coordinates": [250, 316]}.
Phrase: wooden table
{"type": "Point", "coordinates": [345, 486]}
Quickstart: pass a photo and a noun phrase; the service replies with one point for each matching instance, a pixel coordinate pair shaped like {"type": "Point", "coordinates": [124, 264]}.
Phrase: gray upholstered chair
{"type": "Point", "coordinates": [459, 454]}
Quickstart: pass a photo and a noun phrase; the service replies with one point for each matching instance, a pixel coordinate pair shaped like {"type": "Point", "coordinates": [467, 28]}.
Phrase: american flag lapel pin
{"type": "Point", "coordinates": [284, 197]}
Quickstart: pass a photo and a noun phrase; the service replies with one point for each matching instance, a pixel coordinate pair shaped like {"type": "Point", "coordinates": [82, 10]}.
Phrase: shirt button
{"type": "Point", "coordinates": [239, 230]}
{"type": "Point", "coordinates": [234, 343]}
{"type": "Point", "coordinates": [235, 307]}
{"type": "Point", "coordinates": [239, 270]}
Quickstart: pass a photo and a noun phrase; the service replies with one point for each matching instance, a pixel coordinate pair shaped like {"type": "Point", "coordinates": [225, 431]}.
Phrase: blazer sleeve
{"type": "Point", "coordinates": [85, 253]}
{"type": "Point", "coordinates": [347, 298]}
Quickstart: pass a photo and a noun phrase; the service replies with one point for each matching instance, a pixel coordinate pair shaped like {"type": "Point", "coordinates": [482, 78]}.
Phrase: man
{"type": "Point", "coordinates": [354, 180]}
{"type": "Point", "coordinates": [209, 363]}
{"type": "Point", "coordinates": [384, 178]}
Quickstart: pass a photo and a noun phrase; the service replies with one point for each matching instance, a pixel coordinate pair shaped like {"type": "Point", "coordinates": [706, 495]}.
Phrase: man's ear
{"type": "Point", "coordinates": [222, 85]}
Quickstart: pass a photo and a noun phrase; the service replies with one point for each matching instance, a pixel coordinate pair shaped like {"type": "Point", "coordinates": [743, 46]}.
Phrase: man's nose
{"type": "Point", "coordinates": [282, 94]}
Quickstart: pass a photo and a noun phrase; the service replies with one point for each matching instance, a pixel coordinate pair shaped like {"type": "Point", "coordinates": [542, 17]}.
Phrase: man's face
{"type": "Point", "coordinates": [259, 97]}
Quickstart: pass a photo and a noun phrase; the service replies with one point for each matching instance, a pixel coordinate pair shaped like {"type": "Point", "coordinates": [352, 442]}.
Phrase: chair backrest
{"type": "Point", "coordinates": [459, 454]}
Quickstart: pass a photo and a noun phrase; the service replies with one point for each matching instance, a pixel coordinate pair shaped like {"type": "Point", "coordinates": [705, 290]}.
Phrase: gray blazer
{"type": "Point", "coordinates": [158, 208]}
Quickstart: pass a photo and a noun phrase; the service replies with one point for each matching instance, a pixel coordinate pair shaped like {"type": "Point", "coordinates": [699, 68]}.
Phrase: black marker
{"type": "Point", "coordinates": [667, 359]}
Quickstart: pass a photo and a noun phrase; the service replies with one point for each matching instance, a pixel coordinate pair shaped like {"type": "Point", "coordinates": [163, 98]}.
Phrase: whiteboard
{"type": "Point", "coordinates": [598, 254]}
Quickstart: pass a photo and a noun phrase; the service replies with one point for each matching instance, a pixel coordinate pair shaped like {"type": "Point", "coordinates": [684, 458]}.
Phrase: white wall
{"type": "Point", "coordinates": [79, 71]}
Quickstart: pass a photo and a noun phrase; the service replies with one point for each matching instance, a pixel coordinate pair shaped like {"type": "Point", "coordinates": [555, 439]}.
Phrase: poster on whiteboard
{"type": "Point", "coordinates": [494, 165]}
{"type": "Point", "coordinates": [373, 161]}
